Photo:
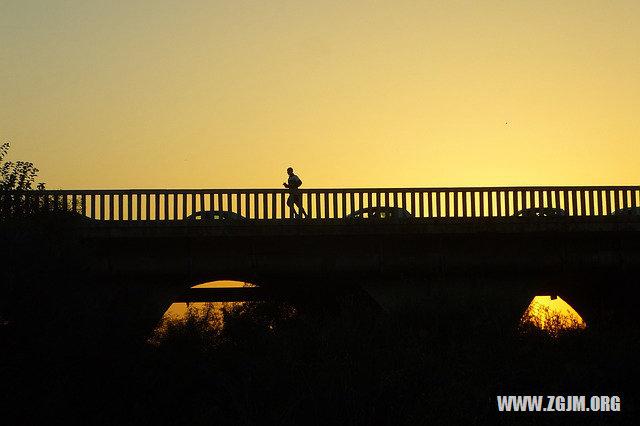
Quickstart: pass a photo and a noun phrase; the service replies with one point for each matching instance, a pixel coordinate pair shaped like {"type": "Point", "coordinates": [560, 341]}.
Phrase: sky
{"type": "Point", "coordinates": [227, 94]}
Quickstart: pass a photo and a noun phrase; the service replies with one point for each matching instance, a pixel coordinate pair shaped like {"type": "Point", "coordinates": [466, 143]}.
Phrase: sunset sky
{"type": "Point", "coordinates": [214, 94]}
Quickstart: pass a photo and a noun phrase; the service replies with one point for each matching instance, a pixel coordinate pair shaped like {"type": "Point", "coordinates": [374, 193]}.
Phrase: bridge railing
{"type": "Point", "coordinates": [179, 204]}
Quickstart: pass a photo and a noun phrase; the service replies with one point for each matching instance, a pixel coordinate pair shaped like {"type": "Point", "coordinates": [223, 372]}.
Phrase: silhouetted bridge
{"type": "Point", "coordinates": [450, 229]}
{"type": "Point", "coordinates": [464, 232]}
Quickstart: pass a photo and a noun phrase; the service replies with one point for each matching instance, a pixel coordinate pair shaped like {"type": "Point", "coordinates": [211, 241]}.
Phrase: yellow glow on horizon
{"type": "Point", "coordinates": [180, 311]}
{"type": "Point", "coordinates": [552, 315]}
{"type": "Point", "coordinates": [224, 284]}
{"type": "Point", "coordinates": [227, 94]}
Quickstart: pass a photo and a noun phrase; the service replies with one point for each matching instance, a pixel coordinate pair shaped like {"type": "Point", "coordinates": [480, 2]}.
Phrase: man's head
{"type": "Point", "coordinates": [290, 171]}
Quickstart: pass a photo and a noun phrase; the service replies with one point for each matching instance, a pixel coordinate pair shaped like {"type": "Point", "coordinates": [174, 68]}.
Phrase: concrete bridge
{"type": "Point", "coordinates": [453, 234]}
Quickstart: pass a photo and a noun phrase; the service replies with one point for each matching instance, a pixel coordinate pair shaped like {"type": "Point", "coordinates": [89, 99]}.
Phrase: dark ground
{"type": "Point", "coordinates": [330, 358]}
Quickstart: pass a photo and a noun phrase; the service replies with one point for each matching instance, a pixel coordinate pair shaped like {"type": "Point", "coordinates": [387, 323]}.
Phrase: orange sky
{"type": "Point", "coordinates": [389, 93]}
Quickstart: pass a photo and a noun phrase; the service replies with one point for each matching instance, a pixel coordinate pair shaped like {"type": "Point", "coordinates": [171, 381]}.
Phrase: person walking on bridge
{"type": "Point", "coordinates": [295, 197]}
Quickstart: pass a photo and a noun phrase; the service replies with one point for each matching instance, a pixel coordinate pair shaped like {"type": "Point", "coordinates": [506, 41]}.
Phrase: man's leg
{"type": "Point", "coordinates": [302, 211]}
{"type": "Point", "coordinates": [298, 202]}
{"type": "Point", "coordinates": [290, 203]}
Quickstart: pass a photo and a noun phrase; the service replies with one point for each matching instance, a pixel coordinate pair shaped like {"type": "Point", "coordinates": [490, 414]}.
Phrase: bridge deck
{"type": "Point", "coordinates": [283, 227]}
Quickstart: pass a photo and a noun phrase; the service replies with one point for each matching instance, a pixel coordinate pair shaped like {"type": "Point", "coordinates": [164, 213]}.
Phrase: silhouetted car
{"type": "Point", "coordinates": [627, 211]}
{"type": "Point", "coordinates": [541, 212]}
{"type": "Point", "coordinates": [380, 213]}
{"type": "Point", "coordinates": [214, 215]}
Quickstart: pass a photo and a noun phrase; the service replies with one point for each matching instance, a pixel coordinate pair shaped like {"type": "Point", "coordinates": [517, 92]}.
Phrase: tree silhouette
{"type": "Point", "coordinates": [18, 175]}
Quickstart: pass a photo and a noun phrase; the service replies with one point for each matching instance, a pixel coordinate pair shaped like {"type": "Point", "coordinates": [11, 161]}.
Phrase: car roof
{"type": "Point", "coordinates": [215, 212]}
{"type": "Point", "coordinates": [398, 211]}
{"type": "Point", "coordinates": [379, 208]}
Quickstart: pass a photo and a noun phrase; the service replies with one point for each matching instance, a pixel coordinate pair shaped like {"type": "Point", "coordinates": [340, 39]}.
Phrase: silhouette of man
{"type": "Point", "coordinates": [295, 197]}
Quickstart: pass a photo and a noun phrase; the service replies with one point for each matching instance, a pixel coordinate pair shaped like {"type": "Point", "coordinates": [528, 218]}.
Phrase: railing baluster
{"type": "Point", "coordinates": [102, 209]}
{"type": "Point", "coordinates": [447, 204]}
{"type": "Point", "coordinates": [464, 203]}
{"type": "Point", "coordinates": [499, 203]}
{"type": "Point", "coordinates": [455, 203]}
{"type": "Point", "coordinates": [508, 203]}
{"type": "Point", "coordinates": [156, 206]}
{"type": "Point", "coordinates": [309, 204]}
{"type": "Point", "coordinates": [316, 196]}
{"type": "Point", "coordinates": [352, 202]}
{"type": "Point", "coordinates": [256, 204]}
{"type": "Point", "coordinates": [129, 206]}
{"type": "Point", "coordinates": [83, 205]}
{"type": "Point", "coordinates": [548, 198]}
{"type": "Point", "coordinates": [189, 204]}
{"type": "Point", "coordinates": [490, 208]}
{"type": "Point", "coordinates": [599, 202]}
{"type": "Point", "coordinates": [412, 203]}
{"type": "Point", "coordinates": [428, 204]}
{"type": "Point", "coordinates": [147, 206]}
{"type": "Point", "coordinates": [265, 206]}
{"type": "Point", "coordinates": [274, 205]}
{"type": "Point", "coordinates": [581, 200]}
{"type": "Point", "coordinates": [92, 202]}
{"type": "Point", "coordinates": [438, 195]}
{"type": "Point", "coordinates": [540, 198]}
{"type": "Point", "coordinates": [326, 205]}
